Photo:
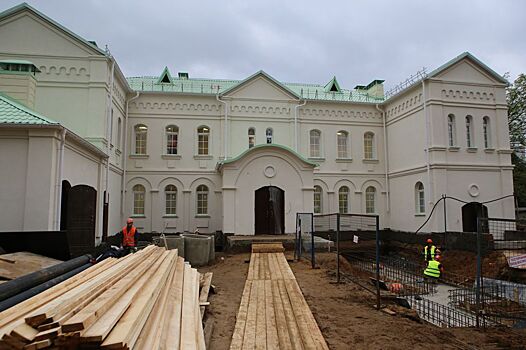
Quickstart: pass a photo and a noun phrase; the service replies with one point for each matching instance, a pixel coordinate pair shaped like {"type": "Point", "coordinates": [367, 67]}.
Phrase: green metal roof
{"type": "Point", "coordinates": [262, 146]}
{"type": "Point", "coordinates": [12, 112]}
{"type": "Point", "coordinates": [220, 86]}
{"type": "Point", "coordinates": [332, 84]}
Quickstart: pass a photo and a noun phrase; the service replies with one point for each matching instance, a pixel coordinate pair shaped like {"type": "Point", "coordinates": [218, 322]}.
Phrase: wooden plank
{"type": "Point", "coordinates": [270, 317]}
{"type": "Point", "coordinates": [198, 320]}
{"type": "Point", "coordinates": [188, 335]}
{"type": "Point", "coordinates": [49, 334]}
{"type": "Point", "coordinates": [171, 334]}
{"type": "Point", "coordinates": [294, 333]}
{"type": "Point", "coordinates": [98, 331]}
{"type": "Point", "coordinates": [274, 247]}
{"type": "Point", "coordinates": [18, 264]}
{"type": "Point", "coordinates": [203, 296]}
{"type": "Point", "coordinates": [127, 330]}
{"type": "Point", "coordinates": [208, 331]}
{"type": "Point", "coordinates": [249, 335]}
{"type": "Point", "coordinates": [261, 321]}
{"type": "Point", "coordinates": [281, 321]}
{"type": "Point", "coordinates": [300, 315]}
{"type": "Point", "coordinates": [42, 344]}
{"type": "Point", "coordinates": [241, 319]}
{"type": "Point", "coordinates": [93, 311]}
{"type": "Point", "coordinates": [255, 256]}
{"type": "Point", "coordinates": [24, 333]}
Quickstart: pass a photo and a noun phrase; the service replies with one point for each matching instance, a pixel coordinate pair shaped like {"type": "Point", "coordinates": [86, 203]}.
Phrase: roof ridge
{"type": "Point", "coordinates": [25, 109]}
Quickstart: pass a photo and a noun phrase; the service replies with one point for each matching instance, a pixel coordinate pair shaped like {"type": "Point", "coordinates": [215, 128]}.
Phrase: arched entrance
{"type": "Point", "coordinates": [269, 210]}
{"type": "Point", "coordinates": [470, 213]}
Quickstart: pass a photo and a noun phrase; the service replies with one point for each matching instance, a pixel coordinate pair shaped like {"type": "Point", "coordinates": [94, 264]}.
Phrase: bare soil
{"type": "Point", "coordinates": [345, 313]}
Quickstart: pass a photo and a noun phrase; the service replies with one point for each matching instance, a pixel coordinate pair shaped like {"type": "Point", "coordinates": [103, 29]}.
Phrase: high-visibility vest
{"type": "Point", "coordinates": [432, 269]}
{"type": "Point", "coordinates": [433, 248]}
{"type": "Point", "coordinates": [128, 237]}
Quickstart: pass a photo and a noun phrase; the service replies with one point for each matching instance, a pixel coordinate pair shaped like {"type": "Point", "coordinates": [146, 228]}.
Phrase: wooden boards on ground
{"type": "Point", "coordinates": [14, 265]}
{"type": "Point", "coordinates": [273, 313]}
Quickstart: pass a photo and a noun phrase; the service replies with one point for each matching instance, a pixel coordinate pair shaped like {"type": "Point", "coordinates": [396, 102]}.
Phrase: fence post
{"type": "Point", "coordinates": [300, 240]}
{"type": "Point", "coordinates": [478, 272]}
{"type": "Point", "coordinates": [377, 263]}
{"type": "Point", "coordinates": [338, 248]}
{"type": "Point", "coordinates": [313, 262]}
{"type": "Point", "coordinates": [445, 221]}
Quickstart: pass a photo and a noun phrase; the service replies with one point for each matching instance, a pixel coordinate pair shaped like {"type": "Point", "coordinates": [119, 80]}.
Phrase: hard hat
{"type": "Point", "coordinates": [429, 240]}
{"type": "Point", "coordinates": [129, 221]}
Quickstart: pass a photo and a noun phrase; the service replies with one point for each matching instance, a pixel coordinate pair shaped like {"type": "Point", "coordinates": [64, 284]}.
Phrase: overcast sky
{"type": "Point", "coordinates": [297, 41]}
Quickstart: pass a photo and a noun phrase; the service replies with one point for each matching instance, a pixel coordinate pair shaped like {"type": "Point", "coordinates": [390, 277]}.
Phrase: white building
{"type": "Point", "coordinates": [244, 157]}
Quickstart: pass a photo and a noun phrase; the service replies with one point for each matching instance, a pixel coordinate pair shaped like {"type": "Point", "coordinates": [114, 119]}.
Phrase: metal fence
{"type": "Point", "coordinates": [442, 315]}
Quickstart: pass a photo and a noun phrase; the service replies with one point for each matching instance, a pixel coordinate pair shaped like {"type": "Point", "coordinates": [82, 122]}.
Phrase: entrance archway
{"type": "Point", "coordinates": [470, 213]}
{"type": "Point", "coordinates": [269, 209]}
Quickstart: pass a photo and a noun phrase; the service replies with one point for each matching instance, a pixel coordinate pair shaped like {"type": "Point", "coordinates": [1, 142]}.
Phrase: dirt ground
{"type": "Point", "coordinates": [345, 314]}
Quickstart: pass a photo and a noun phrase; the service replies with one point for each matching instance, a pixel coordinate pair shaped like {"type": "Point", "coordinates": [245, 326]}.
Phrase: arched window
{"type": "Point", "coordinates": [451, 130]}
{"type": "Point", "coordinates": [202, 200]}
{"type": "Point", "coordinates": [420, 202]}
{"type": "Point", "coordinates": [251, 137]}
{"type": "Point", "coordinates": [170, 193]}
{"type": "Point", "coordinates": [119, 133]}
{"type": "Point", "coordinates": [172, 136]}
{"type": "Point", "coordinates": [486, 129]}
{"type": "Point", "coordinates": [141, 133]}
{"type": "Point", "coordinates": [469, 132]}
{"type": "Point", "coordinates": [315, 136]}
{"type": "Point", "coordinates": [269, 134]}
{"type": "Point", "coordinates": [368, 145]}
{"type": "Point", "coordinates": [138, 199]}
{"type": "Point", "coordinates": [343, 200]}
{"type": "Point", "coordinates": [343, 150]}
{"type": "Point", "coordinates": [318, 200]}
{"type": "Point", "coordinates": [203, 139]}
{"type": "Point", "coordinates": [370, 200]}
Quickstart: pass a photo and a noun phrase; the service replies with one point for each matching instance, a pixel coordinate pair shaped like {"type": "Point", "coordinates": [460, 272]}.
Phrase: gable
{"type": "Point", "coordinates": [468, 70]}
{"type": "Point", "coordinates": [27, 34]}
{"type": "Point", "coordinates": [260, 88]}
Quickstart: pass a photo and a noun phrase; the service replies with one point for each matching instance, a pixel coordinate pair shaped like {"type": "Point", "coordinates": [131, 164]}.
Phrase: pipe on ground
{"type": "Point", "coordinates": [33, 279]}
{"type": "Point", "coordinates": [18, 298]}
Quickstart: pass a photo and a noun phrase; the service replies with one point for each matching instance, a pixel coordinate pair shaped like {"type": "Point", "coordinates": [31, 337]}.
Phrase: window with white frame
{"type": "Point", "coordinates": [141, 134]}
{"type": "Point", "coordinates": [172, 136]}
{"type": "Point", "coordinates": [315, 148]}
{"type": "Point", "coordinates": [343, 200]}
{"type": "Point", "coordinates": [370, 200]}
{"type": "Point", "coordinates": [470, 142]}
{"type": "Point", "coordinates": [202, 200]}
{"type": "Point", "coordinates": [270, 135]}
{"type": "Point", "coordinates": [368, 145]}
{"type": "Point", "coordinates": [170, 193]}
{"type": "Point", "coordinates": [203, 140]}
{"type": "Point", "coordinates": [486, 130]}
{"type": "Point", "coordinates": [251, 137]}
{"type": "Point", "coordinates": [451, 130]}
{"type": "Point", "coordinates": [317, 200]}
{"type": "Point", "coordinates": [342, 139]}
{"type": "Point", "coordinates": [138, 199]}
{"type": "Point", "coordinates": [420, 202]}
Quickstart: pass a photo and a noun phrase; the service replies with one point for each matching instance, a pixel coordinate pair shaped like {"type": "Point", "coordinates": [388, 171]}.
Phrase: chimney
{"type": "Point", "coordinates": [17, 80]}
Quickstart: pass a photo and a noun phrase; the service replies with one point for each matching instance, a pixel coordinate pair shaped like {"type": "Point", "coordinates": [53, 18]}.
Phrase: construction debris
{"type": "Point", "coordinates": [273, 313]}
{"type": "Point", "coordinates": [146, 300]}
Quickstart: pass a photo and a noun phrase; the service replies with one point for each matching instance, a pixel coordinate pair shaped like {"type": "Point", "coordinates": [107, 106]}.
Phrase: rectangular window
{"type": "Point", "coordinates": [203, 144]}
{"type": "Point", "coordinates": [315, 144]}
{"type": "Point", "coordinates": [202, 203]}
{"type": "Point", "coordinates": [171, 143]}
{"type": "Point", "coordinates": [171, 202]}
{"type": "Point", "coordinates": [317, 202]}
{"type": "Point", "coordinates": [369, 202]}
{"type": "Point", "coordinates": [138, 203]}
{"type": "Point", "coordinates": [342, 145]}
{"type": "Point", "coordinates": [343, 199]}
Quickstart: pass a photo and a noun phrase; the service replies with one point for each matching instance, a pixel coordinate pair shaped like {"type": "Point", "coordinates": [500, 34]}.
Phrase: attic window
{"type": "Point", "coordinates": [183, 75]}
{"type": "Point", "coordinates": [334, 88]}
{"type": "Point", "coordinates": [165, 79]}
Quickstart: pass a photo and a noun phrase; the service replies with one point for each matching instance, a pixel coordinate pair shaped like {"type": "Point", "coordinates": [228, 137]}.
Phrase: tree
{"type": "Point", "coordinates": [516, 98]}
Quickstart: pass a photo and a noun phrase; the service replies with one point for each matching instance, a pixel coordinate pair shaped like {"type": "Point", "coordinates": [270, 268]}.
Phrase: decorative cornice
{"type": "Point", "coordinates": [177, 106]}
{"type": "Point", "coordinates": [333, 113]}
{"type": "Point", "coordinates": [468, 95]}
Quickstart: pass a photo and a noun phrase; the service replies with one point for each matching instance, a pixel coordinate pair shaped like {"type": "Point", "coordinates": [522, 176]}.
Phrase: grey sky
{"type": "Point", "coordinates": [298, 41]}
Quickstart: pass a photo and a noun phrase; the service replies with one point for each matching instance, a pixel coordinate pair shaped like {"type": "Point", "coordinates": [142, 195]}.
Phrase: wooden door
{"type": "Point", "coordinates": [269, 210]}
{"type": "Point", "coordinates": [81, 218]}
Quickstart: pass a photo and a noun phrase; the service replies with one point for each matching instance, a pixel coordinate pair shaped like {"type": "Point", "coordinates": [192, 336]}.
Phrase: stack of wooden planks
{"type": "Point", "coordinates": [273, 313]}
{"type": "Point", "coordinates": [146, 300]}
{"type": "Point", "coordinates": [14, 265]}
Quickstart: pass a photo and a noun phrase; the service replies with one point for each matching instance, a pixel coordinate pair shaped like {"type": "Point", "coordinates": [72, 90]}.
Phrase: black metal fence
{"type": "Point", "coordinates": [442, 315]}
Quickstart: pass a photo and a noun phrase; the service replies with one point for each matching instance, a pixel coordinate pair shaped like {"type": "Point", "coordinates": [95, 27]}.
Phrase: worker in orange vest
{"type": "Point", "coordinates": [129, 236]}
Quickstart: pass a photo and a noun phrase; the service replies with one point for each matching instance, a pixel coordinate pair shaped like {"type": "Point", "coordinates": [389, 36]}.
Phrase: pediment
{"type": "Point", "coordinates": [261, 86]}
{"type": "Point", "coordinates": [468, 69]}
{"type": "Point", "coordinates": [27, 33]}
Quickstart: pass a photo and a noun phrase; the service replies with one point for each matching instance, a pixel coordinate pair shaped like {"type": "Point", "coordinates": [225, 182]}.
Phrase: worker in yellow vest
{"type": "Point", "coordinates": [430, 251]}
{"type": "Point", "coordinates": [434, 270]}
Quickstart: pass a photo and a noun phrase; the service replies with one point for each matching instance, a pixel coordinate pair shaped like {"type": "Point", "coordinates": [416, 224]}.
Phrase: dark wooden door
{"type": "Point", "coordinates": [81, 218]}
{"type": "Point", "coordinates": [269, 210]}
{"type": "Point", "coordinates": [470, 213]}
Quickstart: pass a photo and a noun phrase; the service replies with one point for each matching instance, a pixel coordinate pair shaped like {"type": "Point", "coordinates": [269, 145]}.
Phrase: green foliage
{"type": "Point", "coordinates": [516, 97]}
{"type": "Point", "coordinates": [519, 179]}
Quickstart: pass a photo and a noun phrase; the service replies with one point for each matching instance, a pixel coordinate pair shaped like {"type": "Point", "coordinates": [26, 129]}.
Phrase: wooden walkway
{"type": "Point", "coordinates": [273, 313]}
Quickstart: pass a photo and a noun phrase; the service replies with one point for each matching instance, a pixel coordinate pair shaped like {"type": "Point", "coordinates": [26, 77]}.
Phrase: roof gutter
{"type": "Point", "coordinates": [386, 160]}
{"type": "Point", "coordinates": [58, 185]}
{"type": "Point", "coordinates": [428, 157]}
{"type": "Point", "coordinates": [109, 131]}
{"type": "Point", "coordinates": [125, 154]}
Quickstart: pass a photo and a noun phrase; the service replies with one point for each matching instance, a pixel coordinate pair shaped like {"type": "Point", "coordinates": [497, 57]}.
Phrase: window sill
{"type": "Point", "coordinates": [420, 214]}
{"type": "Point", "coordinates": [139, 156]}
{"type": "Point", "coordinates": [203, 156]}
{"type": "Point", "coordinates": [472, 149]}
{"type": "Point", "coordinates": [343, 160]}
{"type": "Point", "coordinates": [202, 216]}
{"type": "Point", "coordinates": [453, 148]}
{"type": "Point", "coordinates": [170, 156]}
{"type": "Point", "coordinates": [317, 159]}
{"type": "Point", "coordinates": [489, 150]}
{"type": "Point", "coordinates": [170, 216]}
{"type": "Point", "coordinates": [370, 161]}
{"type": "Point", "coordinates": [138, 216]}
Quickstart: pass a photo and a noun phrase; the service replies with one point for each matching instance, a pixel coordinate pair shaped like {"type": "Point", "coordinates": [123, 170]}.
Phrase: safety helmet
{"type": "Point", "coordinates": [429, 240]}
{"type": "Point", "coordinates": [129, 221]}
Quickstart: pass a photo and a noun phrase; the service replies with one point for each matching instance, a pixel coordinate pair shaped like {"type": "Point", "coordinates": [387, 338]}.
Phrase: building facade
{"type": "Point", "coordinates": [243, 157]}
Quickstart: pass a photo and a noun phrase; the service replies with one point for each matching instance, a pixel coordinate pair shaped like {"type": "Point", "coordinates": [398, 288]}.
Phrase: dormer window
{"type": "Point", "coordinates": [18, 66]}
{"type": "Point", "coordinates": [183, 75]}
{"type": "Point", "coordinates": [332, 86]}
{"type": "Point", "coordinates": [165, 77]}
